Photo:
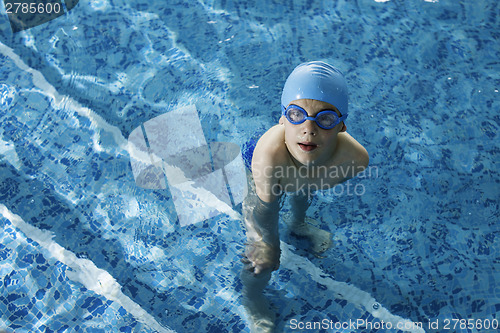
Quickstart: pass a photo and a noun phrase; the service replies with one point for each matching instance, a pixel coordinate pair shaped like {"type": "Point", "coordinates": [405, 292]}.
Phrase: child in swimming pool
{"type": "Point", "coordinates": [308, 150]}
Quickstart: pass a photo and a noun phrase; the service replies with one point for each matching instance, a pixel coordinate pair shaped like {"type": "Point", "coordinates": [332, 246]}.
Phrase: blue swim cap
{"type": "Point", "coordinates": [316, 80]}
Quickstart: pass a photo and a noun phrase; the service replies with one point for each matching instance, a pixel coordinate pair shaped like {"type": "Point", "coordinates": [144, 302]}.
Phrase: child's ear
{"type": "Point", "coordinates": [344, 128]}
{"type": "Point", "coordinates": [282, 120]}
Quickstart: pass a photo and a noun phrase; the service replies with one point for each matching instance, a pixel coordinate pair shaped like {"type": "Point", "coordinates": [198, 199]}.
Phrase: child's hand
{"type": "Point", "coordinates": [260, 256]}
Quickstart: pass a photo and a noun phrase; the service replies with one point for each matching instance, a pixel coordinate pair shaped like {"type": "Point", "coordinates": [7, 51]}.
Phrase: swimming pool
{"type": "Point", "coordinates": [84, 248]}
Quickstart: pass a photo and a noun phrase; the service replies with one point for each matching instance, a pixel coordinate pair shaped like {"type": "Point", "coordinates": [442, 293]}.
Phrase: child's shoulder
{"type": "Point", "coordinates": [351, 150]}
{"type": "Point", "coordinates": [271, 146]}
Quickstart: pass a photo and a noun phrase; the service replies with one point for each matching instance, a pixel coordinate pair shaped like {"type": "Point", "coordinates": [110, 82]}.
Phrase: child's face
{"type": "Point", "coordinates": [308, 143]}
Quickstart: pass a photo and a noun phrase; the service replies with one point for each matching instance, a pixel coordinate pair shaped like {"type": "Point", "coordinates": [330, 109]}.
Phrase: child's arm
{"type": "Point", "coordinates": [261, 211]}
{"type": "Point", "coordinates": [263, 245]}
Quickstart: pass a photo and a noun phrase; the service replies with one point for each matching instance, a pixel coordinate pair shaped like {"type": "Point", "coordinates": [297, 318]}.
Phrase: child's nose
{"type": "Point", "coordinates": [309, 127]}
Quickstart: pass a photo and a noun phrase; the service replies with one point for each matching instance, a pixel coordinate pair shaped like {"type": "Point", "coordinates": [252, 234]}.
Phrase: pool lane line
{"type": "Point", "coordinates": [342, 290]}
{"type": "Point", "coordinates": [84, 271]}
{"type": "Point", "coordinates": [98, 123]}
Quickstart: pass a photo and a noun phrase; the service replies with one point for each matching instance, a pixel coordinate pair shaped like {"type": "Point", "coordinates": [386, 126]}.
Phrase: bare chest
{"type": "Point", "coordinates": [293, 179]}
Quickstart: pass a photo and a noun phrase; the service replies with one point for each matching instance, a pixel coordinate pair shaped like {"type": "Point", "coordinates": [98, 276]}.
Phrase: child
{"type": "Point", "coordinates": [307, 151]}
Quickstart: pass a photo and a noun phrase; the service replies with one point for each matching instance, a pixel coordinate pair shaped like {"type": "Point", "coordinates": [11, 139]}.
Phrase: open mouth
{"type": "Point", "coordinates": [307, 146]}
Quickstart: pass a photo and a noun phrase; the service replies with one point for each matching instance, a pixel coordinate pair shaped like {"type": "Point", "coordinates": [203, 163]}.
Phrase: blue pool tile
{"type": "Point", "coordinates": [421, 240]}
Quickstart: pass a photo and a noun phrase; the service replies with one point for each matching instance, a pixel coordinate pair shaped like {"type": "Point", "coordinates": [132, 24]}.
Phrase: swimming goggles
{"type": "Point", "coordinates": [326, 119]}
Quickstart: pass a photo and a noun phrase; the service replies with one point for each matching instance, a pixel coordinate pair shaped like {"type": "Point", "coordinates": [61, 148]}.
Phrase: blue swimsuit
{"type": "Point", "coordinates": [248, 148]}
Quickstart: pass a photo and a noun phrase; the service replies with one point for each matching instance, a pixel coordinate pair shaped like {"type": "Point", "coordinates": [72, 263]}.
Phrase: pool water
{"type": "Point", "coordinates": [85, 249]}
